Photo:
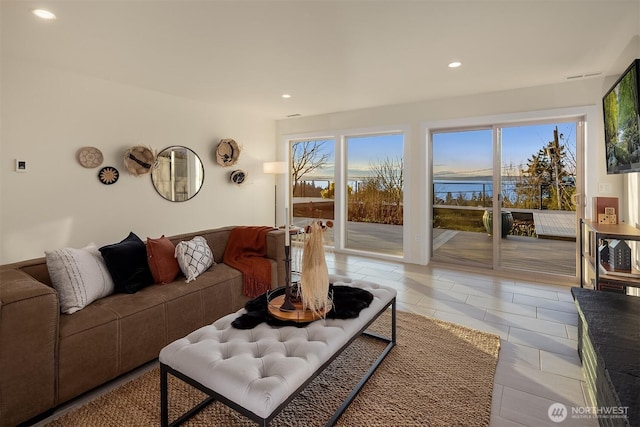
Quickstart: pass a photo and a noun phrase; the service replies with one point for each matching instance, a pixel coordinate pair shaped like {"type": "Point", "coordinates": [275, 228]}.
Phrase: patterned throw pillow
{"type": "Point", "coordinates": [79, 275]}
{"type": "Point", "coordinates": [194, 257]}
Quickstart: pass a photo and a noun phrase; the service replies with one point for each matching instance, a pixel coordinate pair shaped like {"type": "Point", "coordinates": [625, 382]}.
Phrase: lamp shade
{"type": "Point", "coordinates": [274, 167]}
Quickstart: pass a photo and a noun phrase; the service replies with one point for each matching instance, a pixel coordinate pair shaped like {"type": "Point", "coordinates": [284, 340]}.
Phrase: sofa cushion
{"type": "Point", "coordinates": [194, 257]}
{"type": "Point", "coordinates": [79, 275]}
{"type": "Point", "coordinates": [162, 261]}
{"type": "Point", "coordinates": [127, 263]}
{"type": "Point", "coordinates": [87, 343]}
{"type": "Point", "coordinates": [142, 325]}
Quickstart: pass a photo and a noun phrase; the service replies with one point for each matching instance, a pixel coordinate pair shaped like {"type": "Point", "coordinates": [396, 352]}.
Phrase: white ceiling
{"type": "Point", "coordinates": [329, 55]}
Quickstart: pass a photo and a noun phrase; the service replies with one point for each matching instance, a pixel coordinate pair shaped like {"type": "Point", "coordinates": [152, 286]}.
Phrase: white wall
{"type": "Point", "coordinates": [527, 103]}
{"type": "Point", "coordinates": [48, 114]}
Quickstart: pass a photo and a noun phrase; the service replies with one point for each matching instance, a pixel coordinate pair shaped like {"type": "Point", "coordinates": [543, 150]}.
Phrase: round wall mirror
{"type": "Point", "coordinates": [178, 173]}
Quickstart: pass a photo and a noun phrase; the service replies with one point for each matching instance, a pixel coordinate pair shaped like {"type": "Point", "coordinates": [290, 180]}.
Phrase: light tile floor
{"type": "Point", "coordinates": [538, 364]}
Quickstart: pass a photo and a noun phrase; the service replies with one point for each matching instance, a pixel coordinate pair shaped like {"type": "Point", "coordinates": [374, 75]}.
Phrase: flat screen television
{"type": "Point", "coordinates": [621, 107]}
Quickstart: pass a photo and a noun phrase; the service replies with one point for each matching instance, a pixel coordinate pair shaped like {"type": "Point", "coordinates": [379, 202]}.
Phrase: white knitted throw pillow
{"type": "Point", "coordinates": [79, 275]}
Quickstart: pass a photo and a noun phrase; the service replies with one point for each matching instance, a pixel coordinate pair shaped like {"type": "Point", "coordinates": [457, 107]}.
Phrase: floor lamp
{"type": "Point", "coordinates": [280, 168]}
{"type": "Point", "coordinates": [275, 168]}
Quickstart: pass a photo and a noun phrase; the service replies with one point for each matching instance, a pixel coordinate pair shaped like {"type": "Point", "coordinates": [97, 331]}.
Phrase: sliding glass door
{"type": "Point", "coordinates": [374, 193]}
{"type": "Point", "coordinates": [529, 223]}
{"type": "Point", "coordinates": [538, 188]}
{"type": "Point", "coordinates": [357, 183]}
{"type": "Point", "coordinates": [313, 183]}
{"type": "Point", "coordinates": [463, 196]}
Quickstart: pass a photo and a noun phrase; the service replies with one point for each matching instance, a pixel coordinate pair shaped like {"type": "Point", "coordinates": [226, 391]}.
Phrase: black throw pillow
{"type": "Point", "coordinates": [127, 263]}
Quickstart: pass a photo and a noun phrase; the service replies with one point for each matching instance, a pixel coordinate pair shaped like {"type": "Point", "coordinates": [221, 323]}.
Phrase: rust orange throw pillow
{"type": "Point", "coordinates": [162, 261]}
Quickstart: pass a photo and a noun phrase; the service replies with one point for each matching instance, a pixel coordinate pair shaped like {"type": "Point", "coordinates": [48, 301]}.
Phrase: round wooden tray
{"type": "Point", "coordinates": [297, 315]}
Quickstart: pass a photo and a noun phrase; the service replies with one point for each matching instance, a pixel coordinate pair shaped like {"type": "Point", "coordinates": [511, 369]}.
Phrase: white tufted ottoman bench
{"type": "Point", "coordinates": [258, 371]}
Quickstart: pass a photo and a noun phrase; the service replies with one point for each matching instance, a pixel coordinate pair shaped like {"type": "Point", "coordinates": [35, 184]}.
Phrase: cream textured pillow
{"type": "Point", "coordinates": [194, 257]}
{"type": "Point", "coordinates": [79, 275]}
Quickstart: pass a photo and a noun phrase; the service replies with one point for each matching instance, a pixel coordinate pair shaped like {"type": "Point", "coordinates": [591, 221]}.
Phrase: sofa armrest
{"type": "Point", "coordinates": [29, 315]}
{"type": "Point", "coordinates": [275, 251]}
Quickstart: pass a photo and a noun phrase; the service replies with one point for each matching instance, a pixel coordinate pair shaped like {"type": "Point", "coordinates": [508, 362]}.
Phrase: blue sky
{"type": "Point", "coordinates": [470, 153]}
{"type": "Point", "coordinates": [461, 154]}
{"type": "Point", "coordinates": [363, 151]}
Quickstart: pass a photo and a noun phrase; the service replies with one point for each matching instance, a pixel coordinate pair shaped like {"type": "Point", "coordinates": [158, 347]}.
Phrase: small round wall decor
{"type": "Point", "coordinates": [90, 157]}
{"type": "Point", "coordinates": [108, 175]}
{"type": "Point", "coordinates": [227, 152]}
{"type": "Point", "coordinates": [139, 159]}
{"type": "Point", "coordinates": [238, 176]}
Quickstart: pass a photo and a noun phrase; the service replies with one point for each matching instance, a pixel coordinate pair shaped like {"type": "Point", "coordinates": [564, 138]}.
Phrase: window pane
{"type": "Point", "coordinates": [313, 182]}
{"type": "Point", "coordinates": [375, 193]}
{"type": "Point", "coordinates": [462, 196]}
{"type": "Point", "coordinates": [538, 187]}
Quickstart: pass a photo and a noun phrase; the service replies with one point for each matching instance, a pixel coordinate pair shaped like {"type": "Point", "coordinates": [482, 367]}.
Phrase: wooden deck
{"type": "Point", "coordinates": [517, 252]}
{"type": "Point", "coordinates": [553, 252]}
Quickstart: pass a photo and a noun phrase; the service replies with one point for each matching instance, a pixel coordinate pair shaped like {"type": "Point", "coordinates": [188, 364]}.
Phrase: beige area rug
{"type": "Point", "coordinates": [439, 374]}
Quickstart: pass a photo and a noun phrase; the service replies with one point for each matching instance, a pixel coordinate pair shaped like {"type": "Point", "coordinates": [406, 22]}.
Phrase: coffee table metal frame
{"type": "Point", "coordinates": [165, 370]}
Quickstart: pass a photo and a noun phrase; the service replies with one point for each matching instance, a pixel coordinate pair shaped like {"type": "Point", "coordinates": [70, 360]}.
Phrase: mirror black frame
{"type": "Point", "coordinates": [171, 194]}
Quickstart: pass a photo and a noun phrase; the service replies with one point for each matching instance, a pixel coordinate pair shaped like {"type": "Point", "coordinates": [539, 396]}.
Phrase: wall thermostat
{"type": "Point", "coordinates": [21, 165]}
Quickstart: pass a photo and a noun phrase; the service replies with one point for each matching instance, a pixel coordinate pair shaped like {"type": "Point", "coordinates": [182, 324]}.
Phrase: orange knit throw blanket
{"type": "Point", "coordinates": [246, 252]}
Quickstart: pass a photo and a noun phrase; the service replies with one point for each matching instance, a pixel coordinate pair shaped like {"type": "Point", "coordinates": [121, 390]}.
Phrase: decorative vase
{"type": "Point", "coordinates": [314, 275]}
{"type": "Point", "coordinates": [507, 222]}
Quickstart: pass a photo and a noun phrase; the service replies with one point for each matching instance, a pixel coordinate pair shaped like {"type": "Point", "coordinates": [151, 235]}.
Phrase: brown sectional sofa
{"type": "Point", "coordinates": [48, 358]}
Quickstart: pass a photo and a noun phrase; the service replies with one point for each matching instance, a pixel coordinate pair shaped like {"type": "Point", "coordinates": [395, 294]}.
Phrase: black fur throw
{"type": "Point", "coordinates": [347, 304]}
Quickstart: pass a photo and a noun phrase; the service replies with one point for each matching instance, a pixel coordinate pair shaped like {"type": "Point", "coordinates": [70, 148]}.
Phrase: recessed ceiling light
{"type": "Point", "coordinates": [455, 64]}
{"type": "Point", "coordinates": [286, 95]}
{"type": "Point", "coordinates": [44, 14]}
